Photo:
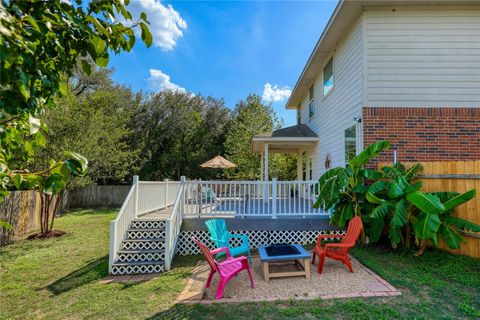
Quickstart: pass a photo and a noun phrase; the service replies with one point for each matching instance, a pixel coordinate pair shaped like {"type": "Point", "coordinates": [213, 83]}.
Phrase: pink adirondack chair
{"type": "Point", "coordinates": [338, 251]}
{"type": "Point", "coordinates": [226, 269]}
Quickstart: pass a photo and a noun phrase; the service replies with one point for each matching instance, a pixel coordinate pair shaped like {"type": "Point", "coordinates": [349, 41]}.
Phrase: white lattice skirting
{"type": "Point", "coordinates": [186, 246]}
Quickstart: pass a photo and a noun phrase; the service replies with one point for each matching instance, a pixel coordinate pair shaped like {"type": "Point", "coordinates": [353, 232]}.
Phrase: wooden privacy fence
{"type": "Point", "coordinates": [96, 196]}
{"type": "Point", "coordinates": [456, 176]}
{"type": "Point", "coordinates": [22, 210]}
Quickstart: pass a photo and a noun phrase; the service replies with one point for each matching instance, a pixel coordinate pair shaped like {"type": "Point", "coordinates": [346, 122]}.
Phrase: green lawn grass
{"type": "Point", "coordinates": [59, 279]}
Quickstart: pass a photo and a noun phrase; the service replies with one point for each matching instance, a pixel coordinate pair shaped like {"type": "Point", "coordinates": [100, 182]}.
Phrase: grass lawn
{"type": "Point", "coordinates": [59, 279]}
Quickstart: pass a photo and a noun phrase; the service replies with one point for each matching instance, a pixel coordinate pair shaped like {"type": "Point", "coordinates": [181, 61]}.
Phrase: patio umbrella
{"type": "Point", "coordinates": [218, 162]}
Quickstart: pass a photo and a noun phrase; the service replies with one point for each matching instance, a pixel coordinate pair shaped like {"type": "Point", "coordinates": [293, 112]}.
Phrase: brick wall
{"type": "Point", "coordinates": [425, 134]}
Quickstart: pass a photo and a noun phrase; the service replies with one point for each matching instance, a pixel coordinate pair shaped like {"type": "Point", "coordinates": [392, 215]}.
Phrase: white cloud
{"type": "Point", "coordinates": [274, 93]}
{"type": "Point", "coordinates": [166, 24]}
{"type": "Point", "coordinates": [159, 81]}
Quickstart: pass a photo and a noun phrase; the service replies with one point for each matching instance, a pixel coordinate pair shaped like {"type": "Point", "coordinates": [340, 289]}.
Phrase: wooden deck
{"type": "Point", "coordinates": [161, 215]}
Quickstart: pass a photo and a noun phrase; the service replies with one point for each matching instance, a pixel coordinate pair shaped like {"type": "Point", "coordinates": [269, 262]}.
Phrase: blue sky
{"type": "Point", "coordinates": [225, 49]}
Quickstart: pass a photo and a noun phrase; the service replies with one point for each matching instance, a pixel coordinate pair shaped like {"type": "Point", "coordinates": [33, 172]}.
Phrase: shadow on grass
{"type": "Point", "coordinates": [93, 271]}
{"type": "Point", "coordinates": [91, 211]}
{"type": "Point", "coordinates": [177, 311]}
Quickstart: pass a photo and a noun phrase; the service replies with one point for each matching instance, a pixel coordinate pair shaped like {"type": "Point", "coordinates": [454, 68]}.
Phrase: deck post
{"type": "Point", "coordinates": [265, 172]}
{"type": "Point", "coordinates": [113, 246]}
{"type": "Point", "coordinates": [136, 184]}
{"type": "Point", "coordinates": [274, 198]}
{"type": "Point", "coordinates": [182, 205]}
{"type": "Point", "coordinates": [166, 193]}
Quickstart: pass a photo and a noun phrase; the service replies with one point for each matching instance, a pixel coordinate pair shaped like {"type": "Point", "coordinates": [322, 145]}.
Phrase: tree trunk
{"type": "Point", "coordinates": [421, 249]}
{"type": "Point", "coordinates": [407, 235]}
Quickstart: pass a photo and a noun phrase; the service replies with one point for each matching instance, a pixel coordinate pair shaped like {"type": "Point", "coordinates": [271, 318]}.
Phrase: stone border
{"type": "Point", "coordinates": [195, 289]}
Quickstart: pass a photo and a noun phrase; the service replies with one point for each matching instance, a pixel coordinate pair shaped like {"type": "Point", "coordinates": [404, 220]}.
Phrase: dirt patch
{"type": "Point", "coordinates": [50, 234]}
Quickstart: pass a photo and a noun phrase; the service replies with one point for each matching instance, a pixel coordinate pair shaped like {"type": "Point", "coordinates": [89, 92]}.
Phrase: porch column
{"type": "Point", "coordinates": [299, 165]}
{"type": "Point", "coordinates": [261, 167]}
{"type": "Point", "coordinates": [265, 164]}
{"type": "Point", "coordinates": [307, 169]}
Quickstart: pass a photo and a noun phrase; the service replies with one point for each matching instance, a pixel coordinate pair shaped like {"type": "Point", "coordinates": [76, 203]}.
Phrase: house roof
{"type": "Point", "coordinates": [346, 12]}
{"type": "Point", "coordinates": [286, 140]}
{"type": "Point", "coordinates": [300, 130]}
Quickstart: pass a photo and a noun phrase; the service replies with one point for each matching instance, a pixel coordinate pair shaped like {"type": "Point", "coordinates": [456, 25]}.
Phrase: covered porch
{"type": "Point", "coordinates": [294, 140]}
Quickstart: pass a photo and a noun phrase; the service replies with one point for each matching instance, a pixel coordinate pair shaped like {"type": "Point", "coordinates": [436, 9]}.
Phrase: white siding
{"type": "Point", "coordinates": [335, 112]}
{"type": "Point", "coordinates": [423, 57]}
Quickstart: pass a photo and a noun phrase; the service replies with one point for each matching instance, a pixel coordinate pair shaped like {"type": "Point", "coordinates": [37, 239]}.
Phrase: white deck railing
{"type": "Point", "coordinates": [156, 195]}
{"type": "Point", "coordinates": [251, 198]}
{"type": "Point", "coordinates": [144, 197]}
{"type": "Point", "coordinates": [120, 225]}
{"type": "Point", "coordinates": [173, 226]}
{"type": "Point", "coordinates": [191, 199]}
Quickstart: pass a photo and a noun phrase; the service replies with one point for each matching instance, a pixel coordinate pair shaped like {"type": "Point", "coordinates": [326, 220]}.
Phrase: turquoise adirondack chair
{"type": "Point", "coordinates": [220, 236]}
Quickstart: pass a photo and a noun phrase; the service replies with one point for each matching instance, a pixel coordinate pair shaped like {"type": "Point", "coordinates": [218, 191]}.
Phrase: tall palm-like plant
{"type": "Point", "coordinates": [435, 218]}
{"type": "Point", "coordinates": [389, 196]}
{"type": "Point", "coordinates": [343, 190]}
{"type": "Point", "coordinates": [411, 213]}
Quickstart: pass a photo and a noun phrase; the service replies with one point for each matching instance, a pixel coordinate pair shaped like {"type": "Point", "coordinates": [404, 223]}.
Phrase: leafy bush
{"type": "Point", "coordinates": [393, 199]}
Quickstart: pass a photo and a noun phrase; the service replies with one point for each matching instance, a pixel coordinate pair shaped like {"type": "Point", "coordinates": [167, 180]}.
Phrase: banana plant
{"type": "Point", "coordinates": [435, 218]}
{"type": "Point", "coordinates": [391, 205]}
{"type": "Point", "coordinates": [412, 213]}
{"type": "Point", "coordinates": [343, 190]}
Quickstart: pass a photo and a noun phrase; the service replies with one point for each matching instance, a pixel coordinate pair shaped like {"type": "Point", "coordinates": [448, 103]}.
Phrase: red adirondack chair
{"type": "Point", "coordinates": [226, 269]}
{"type": "Point", "coordinates": [338, 251]}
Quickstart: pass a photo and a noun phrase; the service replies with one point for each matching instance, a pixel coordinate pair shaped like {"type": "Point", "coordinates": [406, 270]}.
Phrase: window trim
{"type": "Point", "coordinates": [331, 57]}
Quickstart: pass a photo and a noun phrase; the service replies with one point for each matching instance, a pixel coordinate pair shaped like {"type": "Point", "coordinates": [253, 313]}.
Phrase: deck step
{"type": "Point", "coordinates": [141, 251]}
{"type": "Point", "coordinates": [143, 244]}
{"type": "Point", "coordinates": [144, 234]}
{"type": "Point", "coordinates": [140, 256]}
{"type": "Point", "coordinates": [147, 224]}
{"type": "Point", "coordinates": [139, 267]}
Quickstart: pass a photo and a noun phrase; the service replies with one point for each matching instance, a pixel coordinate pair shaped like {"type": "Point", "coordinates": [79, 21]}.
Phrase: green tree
{"type": "Point", "coordinates": [94, 121]}
{"type": "Point", "coordinates": [251, 117]}
{"type": "Point", "coordinates": [41, 42]}
{"type": "Point", "coordinates": [177, 131]}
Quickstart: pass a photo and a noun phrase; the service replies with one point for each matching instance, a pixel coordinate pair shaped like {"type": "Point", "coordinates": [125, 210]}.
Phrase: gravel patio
{"type": "Point", "coordinates": [335, 282]}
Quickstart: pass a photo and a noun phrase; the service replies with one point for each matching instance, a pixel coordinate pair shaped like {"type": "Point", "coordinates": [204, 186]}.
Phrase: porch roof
{"type": "Point", "coordinates": [285, 140]}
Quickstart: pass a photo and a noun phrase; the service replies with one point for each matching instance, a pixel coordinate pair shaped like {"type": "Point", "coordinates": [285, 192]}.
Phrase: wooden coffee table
{"type": "Point", "coordinates": [301, 260]}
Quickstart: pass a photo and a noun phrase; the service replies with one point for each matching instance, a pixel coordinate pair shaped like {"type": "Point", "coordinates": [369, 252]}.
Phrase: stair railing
{"type": "Point", "coordinates": [173, 225]}
{"type": "Point", "coordinates": [120, 225]}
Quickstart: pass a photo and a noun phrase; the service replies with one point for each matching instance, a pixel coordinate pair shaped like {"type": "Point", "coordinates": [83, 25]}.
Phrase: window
{"type": "Point", "coordinates": [299, 114]}
{"type": "Point", "coordinates": [310, 102]}
{"type": "Point", "coordinates": [350, 143]}
{"type": "Point", "coordinates": [328, 77]}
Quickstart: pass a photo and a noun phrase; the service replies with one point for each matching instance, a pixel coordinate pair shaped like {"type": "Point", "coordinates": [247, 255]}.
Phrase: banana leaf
{"type": "Point", "coordinates": [370, 152]}
{"type": "Point", "coordinates": [426, 227]}
{"type": "Point", "coordinates": [459, 199]}
{"type": "Point", "coordinates": [462, 224]}
{"type": "Point", "coordinates": [427, 203]}
{"type": "Point", "coordinates": [450, 235]}
{"type": "Point", "coordinates": [400, 214]}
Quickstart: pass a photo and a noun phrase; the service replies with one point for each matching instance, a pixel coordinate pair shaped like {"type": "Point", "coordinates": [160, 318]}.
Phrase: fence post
{"type": "Point", "coordinates": [166, 193]}
{"type": "Point", "coordinates": [274, 198]}
{"type": "Point", "coordinates": [135, 183]}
